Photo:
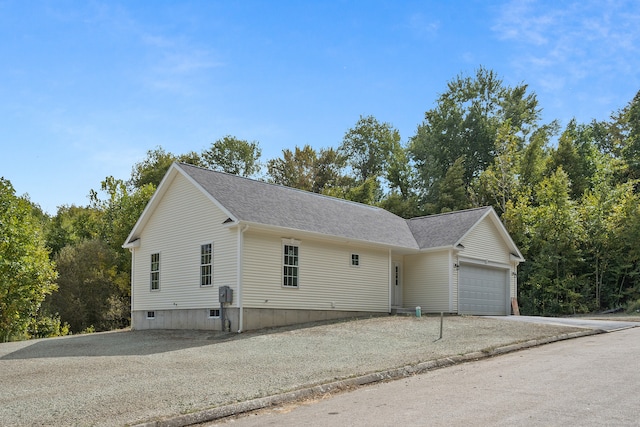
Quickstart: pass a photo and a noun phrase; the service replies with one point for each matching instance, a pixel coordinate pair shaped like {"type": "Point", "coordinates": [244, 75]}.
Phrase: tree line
{"type": "Point", "coordinates": [568, 195]}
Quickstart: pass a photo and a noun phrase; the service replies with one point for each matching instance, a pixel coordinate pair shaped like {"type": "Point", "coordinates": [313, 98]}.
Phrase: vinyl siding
{"type": "Point", "coordinates": [513, 289]}
{"type": "Point", "coordinates": [485, 243]}
{"type": "Point", "coordinates": [184, 220]}
{"type": "Point", "coordinates": [426, 281]}
{"type": "Point", "coordinates": [327, 281]}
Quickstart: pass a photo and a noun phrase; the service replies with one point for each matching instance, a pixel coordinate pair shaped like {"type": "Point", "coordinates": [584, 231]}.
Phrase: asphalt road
{"type": "Point", "coordinates": [589, 381]}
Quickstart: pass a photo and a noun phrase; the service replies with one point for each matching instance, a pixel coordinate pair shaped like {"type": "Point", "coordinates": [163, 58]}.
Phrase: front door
{"type": "Point", "coordinates": [396, 293]}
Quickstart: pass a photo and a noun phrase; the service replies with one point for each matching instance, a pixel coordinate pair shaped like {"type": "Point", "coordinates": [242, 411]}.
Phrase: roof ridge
{"type": "Point", "coordinates": [450, 213]}
{"type": "Point", "coordinates": [338, 199]}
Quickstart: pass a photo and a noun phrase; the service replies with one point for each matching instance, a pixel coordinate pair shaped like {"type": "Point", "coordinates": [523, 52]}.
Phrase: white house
{"type": "Point", "coordinates": [289, 256]}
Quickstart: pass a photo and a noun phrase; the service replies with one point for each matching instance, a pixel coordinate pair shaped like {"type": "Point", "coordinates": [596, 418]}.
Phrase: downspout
{"type": "Point", "coordinates": [133, 264]}
{"type": "Point", "coordinates": [391, 287]}
{"type": "Point", "coordinates": [451, 268]}
{"type": "Point", "coordinates": [241, 231]}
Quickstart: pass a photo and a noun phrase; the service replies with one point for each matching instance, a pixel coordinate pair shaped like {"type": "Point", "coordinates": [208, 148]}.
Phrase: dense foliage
{"type": "Point", "coordinates": [26, 273]}
{"type": "Point", "coordinates": [569, 197]}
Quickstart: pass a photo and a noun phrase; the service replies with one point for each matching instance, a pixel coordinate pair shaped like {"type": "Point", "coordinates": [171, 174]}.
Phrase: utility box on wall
{"type": "Point", "coordinates": [225, 294]}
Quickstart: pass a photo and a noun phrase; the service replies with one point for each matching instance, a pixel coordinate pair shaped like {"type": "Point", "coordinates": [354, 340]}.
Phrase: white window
{"type": "Point", "coordinates": [206, 265]}
{"type": "Point", "coordinates": [155, 272]}
{"type": "Point", "coordinates": [151, 314]}
{"type": "Point", "coordinates": [214, 312]}
{"type": "Point", "coordinates": [290, 266]}
{"type": "Point", "coordinates": [355, 260]}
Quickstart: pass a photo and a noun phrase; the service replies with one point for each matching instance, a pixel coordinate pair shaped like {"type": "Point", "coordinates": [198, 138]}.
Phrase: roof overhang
{"type": "Point", "coordinates": [132, 244]}
{"type": "Point", "coordinates": [290, 232]}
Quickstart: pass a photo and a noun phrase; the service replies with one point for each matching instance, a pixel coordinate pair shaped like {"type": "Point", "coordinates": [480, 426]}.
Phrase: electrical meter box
{"type": "Point", "coordinates": [225, 294]}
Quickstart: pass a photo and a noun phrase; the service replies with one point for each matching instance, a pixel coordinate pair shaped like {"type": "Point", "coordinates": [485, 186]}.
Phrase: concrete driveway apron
{"type": "Point", "coordinates": [603, 325]}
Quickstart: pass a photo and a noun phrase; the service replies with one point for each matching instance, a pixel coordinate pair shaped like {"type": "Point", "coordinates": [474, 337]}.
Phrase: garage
{"type": "Point", "coordinates": [483, 290]}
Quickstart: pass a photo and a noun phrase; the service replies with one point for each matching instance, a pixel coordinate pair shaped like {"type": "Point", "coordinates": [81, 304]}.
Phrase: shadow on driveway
{"type": "Point", "coordinates": [130, 343]}
{"type": "Point", "coordinates": [117, 343]}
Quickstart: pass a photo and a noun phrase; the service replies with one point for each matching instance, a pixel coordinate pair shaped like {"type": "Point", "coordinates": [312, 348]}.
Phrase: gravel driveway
{"type": "Point", "coordinates": [126, 377]}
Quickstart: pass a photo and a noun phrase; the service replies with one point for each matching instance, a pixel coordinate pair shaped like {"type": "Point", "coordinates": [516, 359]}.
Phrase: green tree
{"type": "Point", "coordinates": [329, 170]}
{"type": "Point", "coordinates": [400, 175]}
{"type": "Point", "coordinates": [153, 168]}
{"type": "Point", "coordinates": [628, 122]}
{"type": "Point", "coordinates": [499, 182]}
{"type": "Point", "coordinates": [401, 199]}
{"type": "Point", "coordinates": [71, 225]}
{"type": "Point", "coordinates": [368, 147]}
{"type": "Point", "coordinates": [553, 284]}
{"type": "Point", "coordinates": [576, 153]}
{"type": "Point", "coordinates": [622, 283]}
{"type": "Point", "coordinates": [120, 211]}
{"type": "Point", "coordinates": [296, 169]}
{"type": "Point", "coordinates": [610, 248]}
{"type": "Point", "coordinates": [465, 124]}
{"type": "Point", "coordinates": [533, 161]}
{"type": "Point", "coordinates": [367, 192]}
{"type": "Point", "coordinates": [306, 169]}
{"type": "Point", "coordinates": [26, 273]}
{"type": "Point", "coordinates": [452, 193]}
{"type": "Point", "coordinates": [232, 155]}
{"type": "Point", "coordinates": [88, 294]}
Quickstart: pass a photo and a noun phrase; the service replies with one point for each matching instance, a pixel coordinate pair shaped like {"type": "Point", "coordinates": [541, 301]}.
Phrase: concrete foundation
{"type": "Point", "coordinates": [254, 318]}
{"type": "Point", "coordinates": [182, 319]}
{"type": "Point", "coordinates": [258, 318]}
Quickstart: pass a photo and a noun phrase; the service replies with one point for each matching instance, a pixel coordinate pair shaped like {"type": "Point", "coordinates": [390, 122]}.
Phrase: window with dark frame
{"type": "Point", "coordinates": [355, 260]}
{"type": "Point", "coordinates": [214, 312]}
{"type": "Point", "coordinates": [155, 272]}
{"type": "Point", "coordinates": [151, 314]}
{"type": "Point", "coordinates": [206, 264]}
{"type": "Point", "coordinates": [290, 266]}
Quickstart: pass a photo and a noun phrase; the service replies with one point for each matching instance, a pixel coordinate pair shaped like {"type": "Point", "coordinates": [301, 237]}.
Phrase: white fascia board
{"type": "Point", "coordinates": [440, 249]}
{"type": "Point", "coordinates": [157, 195]}
{"type": "Point", "coordinates": [290, 232]}
{"type": "Point", "coordinates": [132, 244]}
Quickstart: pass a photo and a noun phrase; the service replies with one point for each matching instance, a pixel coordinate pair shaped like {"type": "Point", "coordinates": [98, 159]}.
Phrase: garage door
{"type": "Point", "coordinates": [482, 290]}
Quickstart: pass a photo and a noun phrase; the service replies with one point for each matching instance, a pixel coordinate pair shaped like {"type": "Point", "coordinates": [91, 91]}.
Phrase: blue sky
{"type": "Point", "coordinates": [87, 87]}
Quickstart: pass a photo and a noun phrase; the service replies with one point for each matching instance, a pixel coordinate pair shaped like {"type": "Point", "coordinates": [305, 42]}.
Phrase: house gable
{"type": "Point", "coordinates": [450, 230]}
{"type": "Point", "coordinates": [444, 230]}
{"type": "Point", "coordinates": [157, 197]}
{"type": "Point", "coordinates": [484, 242]}
{"type": "Point", "coordinates": [183, 219]}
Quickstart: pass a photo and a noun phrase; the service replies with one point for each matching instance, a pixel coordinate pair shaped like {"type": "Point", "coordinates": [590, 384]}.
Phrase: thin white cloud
{"type": "Point", "coordinates": [562, 44]}
{"type": "Point", "coordinates": [423, 27]}
{"type": "Point", "coordinates": [177, 65]}
{"type": "Point", "coordinates": [524, 21]}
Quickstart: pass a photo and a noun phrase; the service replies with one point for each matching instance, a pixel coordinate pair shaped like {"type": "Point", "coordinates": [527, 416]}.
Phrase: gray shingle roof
{"type": "Point", "coordinates": [275, 205]}
{"type": "Point", "coordinates": [257, 202]}
{"type": "Point", "coordinates": [446, 229]}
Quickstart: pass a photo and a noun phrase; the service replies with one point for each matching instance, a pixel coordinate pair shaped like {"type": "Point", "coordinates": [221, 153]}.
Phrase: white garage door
{"type": "Point", "coordinates": [482, 290]}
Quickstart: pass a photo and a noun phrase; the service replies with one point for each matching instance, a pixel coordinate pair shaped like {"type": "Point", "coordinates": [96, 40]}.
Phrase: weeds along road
{"type": "Point", "coordinates": [589, 381]}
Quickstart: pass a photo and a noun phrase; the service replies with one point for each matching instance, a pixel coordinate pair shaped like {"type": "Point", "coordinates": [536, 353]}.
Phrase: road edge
{"type": "Point", "coordinates": [228, 410]}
